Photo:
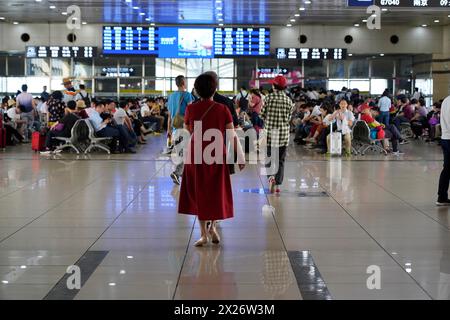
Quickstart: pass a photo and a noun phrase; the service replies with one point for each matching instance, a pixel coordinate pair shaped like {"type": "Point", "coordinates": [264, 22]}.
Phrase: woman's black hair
{"type": "Point", "coordinates": [57, 95]}
{"type": "Point", "coordinates": [205, 85]}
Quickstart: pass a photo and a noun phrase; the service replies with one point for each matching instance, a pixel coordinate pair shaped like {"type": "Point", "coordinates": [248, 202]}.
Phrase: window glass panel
{"type": "Point", "coordinates": [130, 87]}
{"type": "Point", "coordinates": [101, 63]}
{"type": "Point", "coordinates": [82, 68]}
{"type": "Point", "coordinates": [194, 67]}
{"type": "Point", "coordinates": [226, 85]}
{"type": "Point", "coordinates": [38, 67]}
{"type": "Point", "coordinates": [225, 68]}
{"type": "Point", "coordinates": [178, 67]}
{"type": "Point", "coordinates": [337, 69]}
{"type": "Point", "coordinates": [106, 87]}
{"type": "Point", "coordinates": [16, 66]}
{"type": "Point", "coordinates": [150, 67]}
{"type": "Point", "coordinates": [377, 86]}
{"type": "Point", "coordinates": [359, 68]}
{"type": "Point", "coordinates": [383, 68]}
{"type": "Point", "coordinates": [362, 85]}
{"type": "Point", "coordinates": [315, 68]}
{"type": "Point", "coordinates": [337, 84]}
{"type": "Point", "coordinates": [61, 68]}
{"type": "Point", "coordinates": [2, 66]}
{"type": "Point", "coordinates": [15, 83]}
{"type": "Point", "coordinates": [56, 83]}
{"type": "Point", "coordinates": [150, 86]}
{"type": "Point", "coordinates": [134, 63]}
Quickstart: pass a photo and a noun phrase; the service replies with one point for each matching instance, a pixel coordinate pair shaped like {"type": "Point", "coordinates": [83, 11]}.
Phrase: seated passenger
{"type": "Point", "coordinates": [344, 119]}
{"type": "Point", "coordinates": [81, 109]}
{"type": "Point", "coordinates": [368, 115]}
{"type": "Point", "coordinates": [63, 128]}
{"type": "Point", "coordinates": [405, 113]}
{"type": "Point", "coordinates": [434, 119]}
{"type": "Point", "coordinates": [102, 123]}
{"type": "Point", "coordinates": [15, 120]}
{"type": "Point", "coordinates": [419, 120]}
{"type": "Point", "coordinates": [151, 113]}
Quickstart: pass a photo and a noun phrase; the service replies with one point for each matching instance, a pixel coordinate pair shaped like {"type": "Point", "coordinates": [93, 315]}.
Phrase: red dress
{"type": "Point", "coordinates": [206, 188]}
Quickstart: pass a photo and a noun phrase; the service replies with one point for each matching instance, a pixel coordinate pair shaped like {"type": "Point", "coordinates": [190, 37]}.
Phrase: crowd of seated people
{"type": "Point", "coordinates": [124, 122]}
{"type": "Point", "coordinates": [317, 113]}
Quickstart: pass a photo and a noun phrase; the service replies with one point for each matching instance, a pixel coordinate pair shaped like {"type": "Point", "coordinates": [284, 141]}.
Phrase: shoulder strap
{"type": "Point", "coordinates": [180, 103]}
{"type": "Point", "coordinates": [206, 112]}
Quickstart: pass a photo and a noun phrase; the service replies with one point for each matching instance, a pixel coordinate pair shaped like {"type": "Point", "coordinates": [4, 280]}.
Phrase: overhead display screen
{"type": "Point", "coordinates": [241, 42]}
{"type": "Point", "coordinates": [130, 40]}
{"type": "Point", "coordinates": [61, 52]}
{"type": "Point", "coordinates": [186, 42]}
{"type": "Point", "coordinates": [401, 3]}
{"type": "Point", "coordinates": [311, 53]}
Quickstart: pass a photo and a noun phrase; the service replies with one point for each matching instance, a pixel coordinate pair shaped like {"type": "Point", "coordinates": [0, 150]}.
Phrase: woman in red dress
{"type": "Point", "coordinates": [206, 188]}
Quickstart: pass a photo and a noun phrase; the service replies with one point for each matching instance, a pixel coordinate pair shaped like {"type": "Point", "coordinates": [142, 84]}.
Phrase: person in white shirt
{"type": "Point", "coordinates": [444, 179]}
{"type": "Point", "coordinates": [344, 119]}
{"type": "Point", "coordinates": [416, 94]}
{"type": "Point", "coordinates": [14, 114]}
{"type": "Point", "coordinates": [385, 104]}
{"type": "Point", "coordinates": [82, 94]}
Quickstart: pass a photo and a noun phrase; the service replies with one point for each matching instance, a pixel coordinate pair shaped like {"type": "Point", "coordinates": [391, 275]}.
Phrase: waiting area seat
{"type": "Point", "coordinates": [363, 141]}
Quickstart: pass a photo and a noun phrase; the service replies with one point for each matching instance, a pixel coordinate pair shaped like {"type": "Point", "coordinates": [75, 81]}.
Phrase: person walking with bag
{"type": "Point", "coordinates": [177, 104]}
{"type": "Point", "coordinates": [206, 188]}
{"type": "Point", "coordinates": [276, 113]}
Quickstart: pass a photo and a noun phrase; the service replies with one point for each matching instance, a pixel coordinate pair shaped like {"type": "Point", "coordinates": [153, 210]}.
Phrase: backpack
{"type": "Point", "coordinates": [178, 120]}
{"type": "Point", "coordinates": [243, 103]}
{"type": "Point", "coordinates": [86, 99]}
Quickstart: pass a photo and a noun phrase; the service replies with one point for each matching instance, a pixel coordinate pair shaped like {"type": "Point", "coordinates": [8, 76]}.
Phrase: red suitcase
{"type": "Point", "coordinates": [37, 142]}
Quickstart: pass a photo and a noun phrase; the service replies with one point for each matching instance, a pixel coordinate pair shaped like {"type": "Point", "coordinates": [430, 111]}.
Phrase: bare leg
{"type": "Point", "coordinates": [204, 234]}
{"type": "Point", "coordinates": [214, 234]}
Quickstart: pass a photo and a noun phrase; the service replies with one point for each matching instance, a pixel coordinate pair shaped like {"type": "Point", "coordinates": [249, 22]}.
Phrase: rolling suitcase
{"type": "Point", "coordinates": [37, 142]}
{"type": "Point", "coordinates": [335, 142]}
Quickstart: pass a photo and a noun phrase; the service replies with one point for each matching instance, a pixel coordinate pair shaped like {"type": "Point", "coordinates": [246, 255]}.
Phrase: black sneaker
{"type": "Point", "coordinates": [443, 203]}
{"type": "Point", "coordinates": [175, 178]}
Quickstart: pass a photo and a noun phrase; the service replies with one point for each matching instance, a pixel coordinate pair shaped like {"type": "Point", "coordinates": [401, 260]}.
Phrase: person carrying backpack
{"type": "Point", "coordinates": [83, 95]}
{"type": "Point", "coordinates": [242, 99]}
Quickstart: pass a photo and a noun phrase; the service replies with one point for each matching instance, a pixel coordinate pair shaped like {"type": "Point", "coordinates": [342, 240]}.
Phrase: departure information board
{"type": "Point", "coordinates": [130, 40]}
{"type": "Point", "coordinates": [61, 52]}
{"type": "Point", "coordinates": [230, 42]}
{"type": "Point", "coordinates": [413, 3]}
{"type": "Point", "coordinates": [186, 42]}
{"type": "Point", "coordinates": [311, 53]}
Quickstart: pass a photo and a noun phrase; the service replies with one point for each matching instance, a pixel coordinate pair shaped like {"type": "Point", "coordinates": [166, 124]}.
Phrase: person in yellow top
{"type": "Point", "coordinates": [152, 114]}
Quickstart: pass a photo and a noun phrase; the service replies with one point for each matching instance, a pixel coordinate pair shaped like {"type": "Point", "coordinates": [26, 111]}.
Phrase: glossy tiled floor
{"type": "Point", "coordinates": [380, 211]}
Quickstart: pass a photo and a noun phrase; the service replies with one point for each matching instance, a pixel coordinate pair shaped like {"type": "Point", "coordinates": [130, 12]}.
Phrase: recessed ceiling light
{"type": "Point", "coordinates": [15, 22]}
{"type": "Point", "coordinates": [408, 264]}
{"type": "Point", "coordinates": [365, 20]}
{"type": "Point", "coordinates": [382, 54]}
{"type": "Point", "coordinates": [302, 9]}
{"type": "Point", "coordinates": [123, 272]}
{"type": "Point", "coordinates": [350, 54]}
{"type": "Point", "coordinates": [307, 2]}
{"type": "Point", "coordinates": [436, 21]}
{"type": "Point", "coordinates": [356, 24]}
{"type": "Point", "coordinates": [52, 7]}
{"type": "Point", "coordinates": [38, 0]}
{"type": "Point", "coordinates": [2, 18]}
{"type": "Point", "coordinates": [297, 14]}
{"type": "Point", "coordinates": [84, 22]}
{"type": "Point", "coordinates": [424, 25]}
{"type": "Point", "coordinates": [23, 267]}
{"type": "Point", "coordinates": [289, 25]}
{"type": "Point", "coordinates": [384, 9]}
{"type": "Point", "coordinates": [5, 282]}
{"type": "Point", "coordinates": [64, 13]}
{"type": "Point", "coordinates": [130, 257]}
{"type": "Point", "coordinates": [112, 284]}
{"type": "Point", "coordinates": [74, 18]}
{"type": "Point", "coordinates": [448, 16]}
{"type": "Point", "coordinates": [292, 20]}
{"type": "Point", "coordinates": [128, 1]}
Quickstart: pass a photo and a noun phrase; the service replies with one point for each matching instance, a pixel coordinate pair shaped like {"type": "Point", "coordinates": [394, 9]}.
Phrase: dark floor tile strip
{"type": "Point", "coordinates": [309, 280]}
{"type": "Point", "coordinates": [88, 263]}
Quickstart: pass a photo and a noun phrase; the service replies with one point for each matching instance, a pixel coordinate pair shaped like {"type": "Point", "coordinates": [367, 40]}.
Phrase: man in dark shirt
{"type": "Point", "coordinates": [224, 100]}
{"type": "Point", "coordinates": [67, 122]}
